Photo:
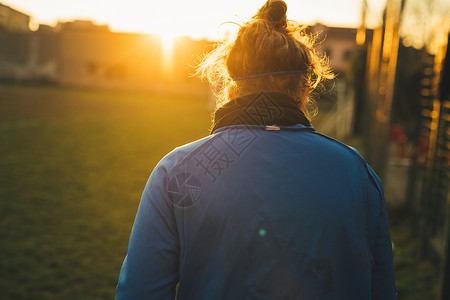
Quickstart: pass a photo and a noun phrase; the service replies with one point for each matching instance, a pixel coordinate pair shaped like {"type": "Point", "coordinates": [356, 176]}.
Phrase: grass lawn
{"type": "Point", "coordinates": [73, 164]}
{"type": "Point", "coordinates": [72, 167]}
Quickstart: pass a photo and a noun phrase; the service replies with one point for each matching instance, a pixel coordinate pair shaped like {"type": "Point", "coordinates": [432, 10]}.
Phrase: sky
{"type": "Point", "coordinates": [195, 18]}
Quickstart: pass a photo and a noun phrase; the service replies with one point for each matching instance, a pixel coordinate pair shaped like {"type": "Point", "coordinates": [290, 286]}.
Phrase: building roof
{"type": "Point", "coordinates": [14, 10]}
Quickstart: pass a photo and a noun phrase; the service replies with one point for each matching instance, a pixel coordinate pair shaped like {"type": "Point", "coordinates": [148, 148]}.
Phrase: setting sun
{"type": "Point", "coordinates": [196, 18]}
{"type": "Point", "coordinates": [168, 43]}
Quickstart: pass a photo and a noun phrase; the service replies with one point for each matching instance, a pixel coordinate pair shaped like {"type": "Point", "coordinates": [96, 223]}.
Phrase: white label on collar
{"type": "Point", "coordinates": [272, 127]}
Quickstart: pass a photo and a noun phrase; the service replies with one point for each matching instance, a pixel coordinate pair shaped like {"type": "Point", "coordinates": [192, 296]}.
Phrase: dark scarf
{"type": "Point", "coordinates": [265, 108]}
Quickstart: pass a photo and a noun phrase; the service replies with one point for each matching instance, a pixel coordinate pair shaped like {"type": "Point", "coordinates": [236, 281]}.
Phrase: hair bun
{"type": "Point", "coordinates": [274, 12]}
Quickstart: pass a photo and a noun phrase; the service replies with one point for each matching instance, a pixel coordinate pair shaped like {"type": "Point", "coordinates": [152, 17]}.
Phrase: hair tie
{"type": "Point", "coordinates": [271, 73]}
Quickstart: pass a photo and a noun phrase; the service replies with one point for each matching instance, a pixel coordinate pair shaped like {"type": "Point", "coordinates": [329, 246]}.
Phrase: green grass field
{"type": "Point", "coordinates": [73, 165]}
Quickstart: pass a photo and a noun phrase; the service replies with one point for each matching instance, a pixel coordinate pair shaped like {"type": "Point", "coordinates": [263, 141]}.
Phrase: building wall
{"type": "Point", "coordinates": [13, 20]}
{"type": "Point", "coordinates": [105, 59]}
{"type": "Point", "coordinates": [338, 44]}
{"type": "Point", "coordinates": [28, 56]}
{"type": "Point", "coordinates": [339, 52]}
{"type": "Point", "coordinates": [81, 53]}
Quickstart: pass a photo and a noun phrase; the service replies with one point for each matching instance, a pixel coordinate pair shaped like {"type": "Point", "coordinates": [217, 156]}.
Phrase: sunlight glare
{"type": "Point", "coordinates": [168, 43]}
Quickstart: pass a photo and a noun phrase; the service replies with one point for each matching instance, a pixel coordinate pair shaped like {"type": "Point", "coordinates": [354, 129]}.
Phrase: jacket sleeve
{"type": "Point", "coordinates": [383, 282]}
{"type": "Point", "coordinates": [150, 269]}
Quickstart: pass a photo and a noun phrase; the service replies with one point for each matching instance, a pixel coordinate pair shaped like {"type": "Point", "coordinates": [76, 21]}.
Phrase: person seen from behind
{"type": "Point", "coordinates": [264, 207]}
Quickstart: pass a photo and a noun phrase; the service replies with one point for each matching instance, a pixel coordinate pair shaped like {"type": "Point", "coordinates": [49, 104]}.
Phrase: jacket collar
{"type": "Point", "coordinates": [265, 108]}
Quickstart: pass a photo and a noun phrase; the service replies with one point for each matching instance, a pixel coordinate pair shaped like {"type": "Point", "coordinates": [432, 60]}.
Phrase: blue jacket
{"type": "Point", "coordinates": [260, 212]}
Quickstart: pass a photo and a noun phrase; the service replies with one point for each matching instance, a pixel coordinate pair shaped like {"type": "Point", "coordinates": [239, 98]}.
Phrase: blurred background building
{"type": "Point", "coordinates": [78, 53]}
{"type": "Point", "coordinates": [338, 44]}
{"type": "Point", "coordinates": [91, 55]}
{"type": "Point", "coordinates": [13, 20]}
{"type": "Point", "coordinates": [81, 53]}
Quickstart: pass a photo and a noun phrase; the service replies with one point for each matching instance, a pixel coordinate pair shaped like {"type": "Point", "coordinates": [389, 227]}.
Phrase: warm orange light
{"type": "Point", "coordinates": [360, 36]}
{"type": "Point", "coordinates": [168, 43]}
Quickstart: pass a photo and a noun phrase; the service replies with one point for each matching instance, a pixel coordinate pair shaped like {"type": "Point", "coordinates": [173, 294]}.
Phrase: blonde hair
{"type": "Point", "coordinates": [267, 43]}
